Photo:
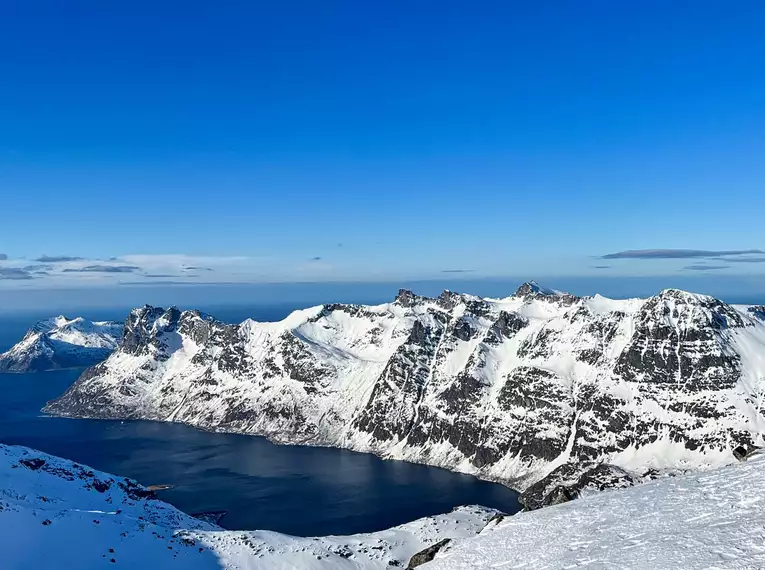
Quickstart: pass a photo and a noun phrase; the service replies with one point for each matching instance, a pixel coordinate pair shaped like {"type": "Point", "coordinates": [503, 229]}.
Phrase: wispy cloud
{"type": "Point", "coordinates": [179, 260]}
{"type": "Point", "coordinates": [740, 259]}
{"type": "Point", "coordinates": [3, 256]}
{"type": "Point", "coordinates": [677, 253]}
{"type": "Point", "coordinates": [700, 267]}
{"type": "Point", "coordinates": [457, 270]}
{"type": "Point", "coordinates": [14, 274]}
{"type": "Point", "coordinates": [53, 270]}
{"type": "Point", "coordinates": [160, 275]}
{"type": "Point", "coordinates": [58, 258]}
{"type": "Point", "coordinates": [175, 282]}
{"type": "Point", "coordinates": [103, 269]}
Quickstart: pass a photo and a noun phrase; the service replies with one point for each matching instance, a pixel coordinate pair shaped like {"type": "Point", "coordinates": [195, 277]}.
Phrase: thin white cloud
{"type": "Point", "coordinates": [72, 271]}
{"type": "Point", "coordinates": [678, 253]}
{"type": "Point", "coordinates": [180, 260]}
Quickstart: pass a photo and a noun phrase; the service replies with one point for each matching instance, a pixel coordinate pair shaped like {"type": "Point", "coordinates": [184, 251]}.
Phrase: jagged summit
{"type": "Point", "coordinates": [534, 288]}
{"type": "Point", "coordinates": [406, 297]}
{"type": "Point", "coordinates": [758, 311]}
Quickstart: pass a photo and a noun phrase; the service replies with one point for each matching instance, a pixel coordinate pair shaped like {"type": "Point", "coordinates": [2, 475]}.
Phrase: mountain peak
{"type": "Point", "coordinates": [449, 299]}
{"type": "Point", "coordinates": [534, 288]}
{"type": "Point", "coordinates": [406, 297]}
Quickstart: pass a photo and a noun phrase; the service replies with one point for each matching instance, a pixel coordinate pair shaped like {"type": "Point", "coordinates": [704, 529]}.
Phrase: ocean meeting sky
{"type": "Point", "coordinates": [166, 142]}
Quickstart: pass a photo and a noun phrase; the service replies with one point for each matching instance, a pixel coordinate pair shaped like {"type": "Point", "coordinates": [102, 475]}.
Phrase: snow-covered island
{"type": "Point", "coordinates": [547, 392]}
{"type": "Point", "coordinates": [59, 343]}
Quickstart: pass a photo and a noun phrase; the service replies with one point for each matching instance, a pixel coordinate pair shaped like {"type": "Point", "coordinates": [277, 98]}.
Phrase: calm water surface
{"type": "Point", "coordinates": [298, 490]}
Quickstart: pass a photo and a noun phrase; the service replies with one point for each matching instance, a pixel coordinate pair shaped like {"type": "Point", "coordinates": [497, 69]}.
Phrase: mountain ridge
{"type": "Point", "coordinates": [510, 390]}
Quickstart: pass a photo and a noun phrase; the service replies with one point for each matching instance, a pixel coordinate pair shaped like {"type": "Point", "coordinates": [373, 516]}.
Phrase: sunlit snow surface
{"type": "Point", "coordinates": [56, 514]}
{"type": "Point", "coordinates": [709, 520]}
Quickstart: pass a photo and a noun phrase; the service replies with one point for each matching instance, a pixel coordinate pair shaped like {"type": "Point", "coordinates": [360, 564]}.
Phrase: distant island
{"type": "Point", "coordinates": [60, 343]}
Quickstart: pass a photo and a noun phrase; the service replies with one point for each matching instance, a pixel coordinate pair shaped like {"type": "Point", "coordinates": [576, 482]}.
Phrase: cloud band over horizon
{"type": "Point", "coordinates": [678, 253]}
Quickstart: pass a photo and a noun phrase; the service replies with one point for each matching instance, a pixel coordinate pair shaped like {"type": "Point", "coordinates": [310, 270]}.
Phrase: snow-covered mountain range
{"type": "Point", "coordinates": [56, 514]}
{"type": "Point", "coordinates": [60, 342]}
{"type": "Point", "coordinates": [544, 391]}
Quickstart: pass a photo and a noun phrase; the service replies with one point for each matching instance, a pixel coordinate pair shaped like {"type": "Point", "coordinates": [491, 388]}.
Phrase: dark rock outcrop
{"type": "Point", "coordinates": [427, 554]}
{"type": "Point", "coordinates": [569, 480]}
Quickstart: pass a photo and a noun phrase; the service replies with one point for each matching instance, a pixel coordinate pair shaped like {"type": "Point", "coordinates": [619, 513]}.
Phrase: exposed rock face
{"type": "Point", "coordinates": [758, 311]}
{"type": "Point", "coordinates": [427, 554]}
{"type": "Point", "coordinates": [568, 481]}
{"type": "Point", "coordinates": [514, 389]}
{"type": "Point", "coordinates": [59, 343]}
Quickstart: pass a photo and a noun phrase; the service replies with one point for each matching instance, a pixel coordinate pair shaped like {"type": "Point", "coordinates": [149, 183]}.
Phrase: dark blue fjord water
{"type": "Point", "coordinates": [298, 490]}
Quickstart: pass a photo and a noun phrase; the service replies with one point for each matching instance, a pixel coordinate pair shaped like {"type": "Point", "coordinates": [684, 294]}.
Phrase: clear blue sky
{"type": "Point", "coordinates": [329, 140]}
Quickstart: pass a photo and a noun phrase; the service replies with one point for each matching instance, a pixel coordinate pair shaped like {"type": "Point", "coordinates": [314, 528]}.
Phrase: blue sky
{"type": "Point", "coordinates": [164, 142]}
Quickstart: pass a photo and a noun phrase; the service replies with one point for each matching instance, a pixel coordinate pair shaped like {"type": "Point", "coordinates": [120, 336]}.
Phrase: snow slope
{"type": "Point", "coordinates": [714, 519]}
{"type": "Point", "coordinates": [62, 343]}
{"type": "Point", "coordinates": [539, 386]}
{"type": "Point", "coordinates": [56, 514]}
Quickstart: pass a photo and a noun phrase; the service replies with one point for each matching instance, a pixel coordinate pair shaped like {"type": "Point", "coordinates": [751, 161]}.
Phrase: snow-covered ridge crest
{"type": "Point", "coordinates": [540, 385]}
{"type": "Point", "coordinates": [57, 514]}
{"type": "Point", "coordinates": [61, 342]}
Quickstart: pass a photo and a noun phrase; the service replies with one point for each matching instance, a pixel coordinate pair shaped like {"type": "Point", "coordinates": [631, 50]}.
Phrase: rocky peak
{"type": "Point", "coordinates": [683, 338]}
{"type": "Point", "coordinates": [140, 326]}
{"type": "Point", "coordinates": [533, 289]}
{"type": "Point", "coordinates": [406, 298]}
{"type": "Point", "coordinates": [198, 326]}
{"type": "Point", "coordinates": [684, 310]}
{"type": "Point", "coordinates": [142, 316]}
{"type": "Point", "coordinates": [47, 324]}
{"type": "Point", "coordinates": [449, 299]}
{"type": "Point", "coordinates": [758, 311]}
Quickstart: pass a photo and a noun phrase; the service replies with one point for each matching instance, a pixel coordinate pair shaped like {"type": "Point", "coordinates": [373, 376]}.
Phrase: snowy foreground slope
{"type": "Point", "coordinates": [56, 514]}
{"type": "Point", "coordinates": [714, 519]}
{"type": "Point", "coordinates": [539, 390]}
{"type": "Point", "coordinates": [62, 343]}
